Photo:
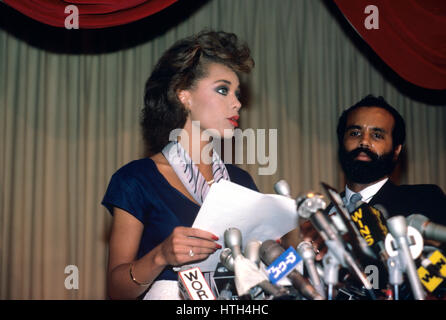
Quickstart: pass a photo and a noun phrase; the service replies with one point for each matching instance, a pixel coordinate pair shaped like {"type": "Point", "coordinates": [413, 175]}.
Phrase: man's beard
{"type": "Point", "coordinates": [366, 171]}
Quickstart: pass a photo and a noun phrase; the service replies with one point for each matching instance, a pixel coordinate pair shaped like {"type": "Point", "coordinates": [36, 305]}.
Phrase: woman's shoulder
{"type": "Point", "coordinates": [134, 168]}
{"type": "Point", "coordinates": [241, 176]}
{"type": "Point", "coordinates": [233, 169]}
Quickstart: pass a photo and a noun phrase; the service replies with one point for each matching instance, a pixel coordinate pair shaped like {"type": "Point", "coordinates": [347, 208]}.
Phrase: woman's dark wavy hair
{"type": "Point", "coordinates": [399, 128]}
{"type": "Point", "coordinates": [181, 66]}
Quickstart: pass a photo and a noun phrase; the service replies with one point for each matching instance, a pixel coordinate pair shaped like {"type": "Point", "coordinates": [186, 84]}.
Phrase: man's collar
{"type": "Point", "coordinates": [367, 193]}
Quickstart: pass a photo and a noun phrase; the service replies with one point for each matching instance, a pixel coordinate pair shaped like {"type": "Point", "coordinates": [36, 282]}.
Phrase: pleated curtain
{"type": "Point", "coordinates": [68, 121]}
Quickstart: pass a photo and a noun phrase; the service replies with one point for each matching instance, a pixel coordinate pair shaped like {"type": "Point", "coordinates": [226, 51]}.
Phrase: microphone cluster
{"type": "Point", "coordinates": [359, 241]}
{"type": "Point", "coordinates": [367, 238]}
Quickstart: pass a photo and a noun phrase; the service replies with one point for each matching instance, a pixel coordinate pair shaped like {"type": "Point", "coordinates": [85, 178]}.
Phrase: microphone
{"type": "Point", "coordinates": [224, 275]}
{"type": "Point", "coordinates": [435, 264]}
{"type": "Point", "coordinates": [233, 241]}
{"type": "Point", "coordinates": [341, 220]}
{"type": "Point", "coordinates": [248, 276]}
{"type": "Point", "coordinates": [270, 251]}
{"type": "Point", "coordinates": [283, 188]}
{"type": "Point", "coordinates": [226, 293]}
{"type": "Point", "coordinates": [226, 259]}
{"type": "Point", "coordinates": [243, 268]}
{"type": "Point", "coordinates": [427, 228]}
{"type": "Point", "coordinates": [371, 224]}
{"type": "Point", "coordinates": [306, 251]}
{"type": "Point", "coordinates": [398, 229]}
{"type": "Point", "coordinates": [395, 270]}
{"type": "Point", "coordinates": [432, 271]}
{"type": "Point", "coordinates": [311, 207]}
{"type": "Point", "coordinates": [193, 285]}
{"type": "Point", "coordinates": [252, 251]}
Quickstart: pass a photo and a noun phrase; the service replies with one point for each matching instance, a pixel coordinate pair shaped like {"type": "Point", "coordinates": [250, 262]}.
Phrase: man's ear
{"type": "Point", "coordinates": [397, 151]}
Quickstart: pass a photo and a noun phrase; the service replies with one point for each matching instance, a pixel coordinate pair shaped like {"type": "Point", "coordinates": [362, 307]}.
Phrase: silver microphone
{"type": "Point", "coordinates": [427, 228]}
{"type": "Point", "coordinates": [227, 259]}
{"type": "Point", "coordinates": [252, 251]}
{"type": "Point", "coordinates": [233, 240]}
{"type": "Point", "coordinates": [397, 226]}
{"type": "Point", "coordinates": [306, 251]}
{"type": "Point", "coordinates": [283, 188]}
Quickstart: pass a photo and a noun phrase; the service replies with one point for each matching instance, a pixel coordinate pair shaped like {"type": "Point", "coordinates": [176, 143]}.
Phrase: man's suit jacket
{"type": "Point", "coordinates": [426, 199]}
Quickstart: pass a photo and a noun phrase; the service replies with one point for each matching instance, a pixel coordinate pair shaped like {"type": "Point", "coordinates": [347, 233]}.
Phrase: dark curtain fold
{"type": "Point", "coordinates": [411, 37]}
{"type": "Point", "coordinates": [93, 14]}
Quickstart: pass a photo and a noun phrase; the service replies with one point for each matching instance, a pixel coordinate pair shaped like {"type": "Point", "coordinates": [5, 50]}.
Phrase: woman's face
{"type": "Point", "coordinates": [214, 101]}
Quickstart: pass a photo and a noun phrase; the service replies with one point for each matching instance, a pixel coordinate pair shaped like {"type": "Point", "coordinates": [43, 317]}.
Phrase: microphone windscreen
{"type": "Point", "coordinates": [383, 210]}
{"type": "Point", "coordinates": [370, 223]}
{"type": "Point", "coordinates": [269, 251]}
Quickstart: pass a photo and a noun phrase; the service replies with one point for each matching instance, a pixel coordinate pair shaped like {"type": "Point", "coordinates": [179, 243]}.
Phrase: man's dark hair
{"type": "Point", "coordinates": [399, 128]}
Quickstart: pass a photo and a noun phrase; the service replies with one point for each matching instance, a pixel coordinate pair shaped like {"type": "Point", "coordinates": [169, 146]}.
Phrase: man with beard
{"type": "Point", "coordinates": [371, 135]}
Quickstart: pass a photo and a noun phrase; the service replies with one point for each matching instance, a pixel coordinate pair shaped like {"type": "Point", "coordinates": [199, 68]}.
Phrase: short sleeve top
{"type": "Point", "coordinates": [140, 189]}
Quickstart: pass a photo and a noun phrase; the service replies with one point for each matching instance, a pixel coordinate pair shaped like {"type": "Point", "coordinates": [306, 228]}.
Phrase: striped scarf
{"type": "Point", "coordinates": [188, 172]}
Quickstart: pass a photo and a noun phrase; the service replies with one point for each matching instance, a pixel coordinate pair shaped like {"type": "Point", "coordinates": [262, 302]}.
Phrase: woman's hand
{"type": "Point", "coordinates": [185, 245]}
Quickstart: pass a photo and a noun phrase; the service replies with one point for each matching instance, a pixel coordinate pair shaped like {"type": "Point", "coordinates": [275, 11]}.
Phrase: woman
{"type": "Point", "coordinates": [154, 201]}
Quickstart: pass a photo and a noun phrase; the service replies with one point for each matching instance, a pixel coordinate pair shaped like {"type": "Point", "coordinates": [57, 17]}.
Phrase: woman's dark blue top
{"type": "Point", "coordinates": [141, 190]}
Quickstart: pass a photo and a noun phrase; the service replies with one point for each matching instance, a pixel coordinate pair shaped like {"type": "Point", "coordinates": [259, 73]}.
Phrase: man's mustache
{"type": "Point", "coordinates": [354, 153]}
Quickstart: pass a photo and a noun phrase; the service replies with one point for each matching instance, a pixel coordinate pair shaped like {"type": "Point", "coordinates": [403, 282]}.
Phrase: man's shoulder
{"type": "Point", "coordinates": [417, 189]}
{"type": "Point", "coordinates": [410, 194]}
{"type": "Point", "coordinates": [426, 199]}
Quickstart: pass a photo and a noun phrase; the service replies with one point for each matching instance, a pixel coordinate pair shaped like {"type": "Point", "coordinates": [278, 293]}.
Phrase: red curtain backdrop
{"type": "Point", "coordinates": [92, 13]}
{"type": "Point", "coordinates": [411, 38]}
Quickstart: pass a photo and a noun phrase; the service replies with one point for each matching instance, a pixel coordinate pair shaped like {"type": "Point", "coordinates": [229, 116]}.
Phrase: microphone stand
{"type": "Point", "coordinates": [331, 272]}
{"type": "Point", "coordinates": [396, 270]}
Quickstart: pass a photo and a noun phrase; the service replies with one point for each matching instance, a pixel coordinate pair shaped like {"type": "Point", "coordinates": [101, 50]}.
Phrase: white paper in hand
{"type": "Point", "coordinates": [258, 216]}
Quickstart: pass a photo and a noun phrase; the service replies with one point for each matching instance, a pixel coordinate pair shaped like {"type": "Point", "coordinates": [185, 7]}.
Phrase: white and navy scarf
{"type": "Point", "coordinates": [188, 172]}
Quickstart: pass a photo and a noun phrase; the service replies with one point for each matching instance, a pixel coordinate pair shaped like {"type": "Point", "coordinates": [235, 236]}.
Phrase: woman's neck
{"type": "Point", "coordinates": [199, 148]}
{"type": "Point", "coordinates": [197, 144]}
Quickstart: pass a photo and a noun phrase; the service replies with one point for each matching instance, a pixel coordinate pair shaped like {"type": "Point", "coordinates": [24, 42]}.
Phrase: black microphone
{"type": "Point", "coordinates": [342, 221]}
{"type": "Point", "coordinates": [427, 228]}
{"type": "Point", "coordinates": [371, 224]}
{"type": "Point", "coordinates": [270, 250]}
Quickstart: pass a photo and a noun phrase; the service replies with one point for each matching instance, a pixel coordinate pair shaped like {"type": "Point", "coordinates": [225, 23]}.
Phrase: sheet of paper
{"type": "Point", "coordinates": [258, 216]}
